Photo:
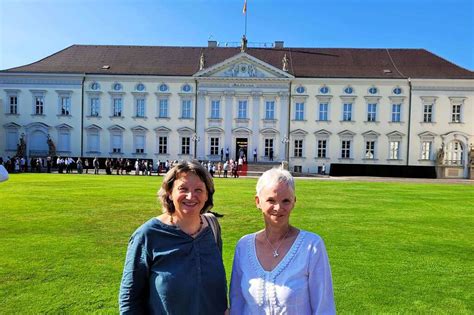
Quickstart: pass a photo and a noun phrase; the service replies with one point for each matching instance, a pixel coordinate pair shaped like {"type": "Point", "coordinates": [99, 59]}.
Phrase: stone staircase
{"type": "Point", "coordinates": [257, 169]}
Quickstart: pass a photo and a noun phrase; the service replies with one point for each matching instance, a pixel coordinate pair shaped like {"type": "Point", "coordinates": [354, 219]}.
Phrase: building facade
{"type": "Point", "coordinates": [310, 107]}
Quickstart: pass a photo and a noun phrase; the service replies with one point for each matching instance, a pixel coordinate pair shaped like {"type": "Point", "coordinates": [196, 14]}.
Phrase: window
{"type": "Point", "coordinates": [163, 87]}
{"type": "Point", "coordinates": [371, 112]}
{"type": "Point", "coordinates": [140, 87]}
{"type": "Point", "coordinates": [94, 106]}
{"type": "Point", "coordinates": [269, 110]}
{"type": "Point", "coordinates": [347, 112]}
{"type": "Point", "coordinates": [298, 169]}
{"type": "Point", "coordinates": [323, 111]}
{"type": "Point", "coordinates": [298, 150]}
{"type": "Point", "coordinates": [65, 105]}
{"type": "Point", "coordinates": [95, 86]}
{"type": "Point", "coordinates": [428, 113]}
{"type": "Point", "coordinates": [373, 90]}
{"type": "Point", "coordinates": [139, 144]}
{"type": "Point", "coordinates": [12, 139]}
{"type": "Point", "coordinates": [117, 107]}
{"type": "Point", "coordinates": [346, 149]}
{"type": "Point", "coordinates": [93, 141]}
{"type": "Point", "coordinates": [215, 109]}
{"type": "Point", "coordinates": [394, 153]}
{"type": "Point", "coordinates": [322, 147]}
{"type": "Point", "coordinates": [163, 108]}
{"type": "Point", "coordinates": [64, 140]}
{"type": "Point", "coordinates": [214, 146]}
{"type": "Point", "coordinates": [242, 113]}
{"type": "Point", "coordinates": [456, 113]}
{"type": "Point", "coordinates": [397, 91]}
{"type": "Point", "coordinates": [324, 90]}
{"type": "Point", "coordinates": [162, 145]}
{"type": "Point", "coordinates": [117, 143]}
{"type": "Point", "coordinates": [348, 90]}
{"type": "Point", "coordinates": [39, 105]}
{"type": "Point", "coordinates": [370, 149]}
{"type": "Point", "coordinates": [13, 102]}
{"type": "Point", "coordinates": [426, 147]}
{"type": "Point", "coordinates": [186, 109]}
{"type": "Point", "coordinates": [185, 145]}
{"type": "Point", "coordinates": [300, 89]}
{"type": "Point", "coordinates": [396, 112]}
{"type": "Point", "coordinates": [454, 153]}
{"type": "Point", "coordinates": [117, 86]}
{"type": "Point", "coordinates": [268, 147]}
{"type": "Point", "coordinates": [186, 88]}
{"type": "Point", "coordinates": [299, 113]}
{"type": "Point", "coordinates": [140, 107]}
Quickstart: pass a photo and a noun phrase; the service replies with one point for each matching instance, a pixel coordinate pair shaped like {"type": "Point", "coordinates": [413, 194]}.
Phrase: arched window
{"type": "Point", "coordinates": [454, 153]}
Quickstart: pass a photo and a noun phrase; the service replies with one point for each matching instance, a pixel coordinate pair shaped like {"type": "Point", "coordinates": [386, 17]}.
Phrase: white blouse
{"type": "Point", "coordinates": [300, 284]}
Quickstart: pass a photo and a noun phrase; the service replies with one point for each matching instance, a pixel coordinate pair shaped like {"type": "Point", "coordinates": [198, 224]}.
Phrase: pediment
{"type": "Point", "coordinates": [184, 130]}
{"type": "Point", "coordinates": [243, 66]}
{"type": "Point", "coordinates": [322, 132]}
{"type": "Point", "coordinates": [370, 133]}
{"type": "Point", "coordinates": [64, 126]}
{"type": "Point", "coordinates": [93, 127]}
{"type": "Point", "coordinates": [269, 131]}
{"type": "Point", "coordinates": [299, 132]}
{"type": "Point", "coordinates": [139, 129]}
{"type": "Point", "coordinates": [116, 128]}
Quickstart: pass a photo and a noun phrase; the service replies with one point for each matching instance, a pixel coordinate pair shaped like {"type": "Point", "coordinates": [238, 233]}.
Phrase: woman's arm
{"type": "Point", "coordinates": [237, 301]}
{"type": "Point", "coordinates": [320, 281]}
{"type": "Point", "coordinates": [133, 296]}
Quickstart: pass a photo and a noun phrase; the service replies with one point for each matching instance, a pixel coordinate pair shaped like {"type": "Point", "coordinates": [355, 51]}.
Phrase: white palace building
{"type": "Point", "coordinates": [356, 111]}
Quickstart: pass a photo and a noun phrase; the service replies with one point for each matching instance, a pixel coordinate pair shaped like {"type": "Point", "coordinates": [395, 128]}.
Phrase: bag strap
{"type": "Point", "coordinates": [215, 227]}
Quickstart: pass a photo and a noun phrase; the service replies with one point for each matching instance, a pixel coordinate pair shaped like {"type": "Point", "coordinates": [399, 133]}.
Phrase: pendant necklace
{"type": "Point", "coordinates": [275, 250]}
{"type": "Point", "coordinates": [190, 234]}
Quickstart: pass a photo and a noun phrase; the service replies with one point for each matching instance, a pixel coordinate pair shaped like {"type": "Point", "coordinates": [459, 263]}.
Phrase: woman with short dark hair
{"type": "Point", "coordinates": [174, 261]}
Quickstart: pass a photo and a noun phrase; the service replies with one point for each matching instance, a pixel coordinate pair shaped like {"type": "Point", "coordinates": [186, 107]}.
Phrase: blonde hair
{"type": "Point", "coordinates": [275, 176]}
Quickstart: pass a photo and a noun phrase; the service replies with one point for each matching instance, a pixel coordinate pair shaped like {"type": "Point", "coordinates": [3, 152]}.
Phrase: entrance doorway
{"type": "Point", "coordinates": [241, 145]}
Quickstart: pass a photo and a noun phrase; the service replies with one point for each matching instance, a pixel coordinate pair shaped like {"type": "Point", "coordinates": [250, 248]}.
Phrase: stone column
{"type": "Point", "coordinates": [283, 123]}
{"type": "Point", "coordinates": [229, 121]}
{"type": "Point", "coordinates": [202, 109]}
{"type": "Point", "coordinates": [256, 109]}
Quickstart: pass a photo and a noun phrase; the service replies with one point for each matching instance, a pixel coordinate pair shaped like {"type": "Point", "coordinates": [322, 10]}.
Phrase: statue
{"type": "Point", "coordinates": [201, 62]}
{"type": "Point", "coordinates": [21, 147]}
{"type": "Point", "coordinates": [440, 156]}
{"type": "Point", "coordinates": [243, 46]}
{"type": "Point", "coordinates": [51, 146]}
{"type": "Point", "coordinates": [284, 62]}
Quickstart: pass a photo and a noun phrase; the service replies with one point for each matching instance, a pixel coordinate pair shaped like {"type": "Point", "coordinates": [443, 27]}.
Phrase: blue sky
{"type": "Point", "coordinates": [33, 29]}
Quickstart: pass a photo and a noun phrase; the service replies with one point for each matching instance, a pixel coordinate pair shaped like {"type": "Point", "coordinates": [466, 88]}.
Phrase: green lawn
{"type": "Point", "coordinates": [393, 247]}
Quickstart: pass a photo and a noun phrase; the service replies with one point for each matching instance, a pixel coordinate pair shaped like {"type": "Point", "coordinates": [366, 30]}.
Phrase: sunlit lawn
{"type": "Point", "coordinates": [393, 247]}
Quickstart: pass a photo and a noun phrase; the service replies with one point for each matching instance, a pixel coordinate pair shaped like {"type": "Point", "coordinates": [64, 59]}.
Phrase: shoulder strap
{"type": "Point", "coordinates": [215, 227]}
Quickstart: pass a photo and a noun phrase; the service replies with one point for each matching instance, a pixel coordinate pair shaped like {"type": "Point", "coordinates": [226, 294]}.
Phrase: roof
{"type": "Point", "coordinates": [303, 62]}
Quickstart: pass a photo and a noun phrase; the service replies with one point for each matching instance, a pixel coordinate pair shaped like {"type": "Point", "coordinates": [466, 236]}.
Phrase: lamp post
{"type": "Point", "coordinates": [285, 140]}
{"type": "Point", "coordinates": [195, 138]}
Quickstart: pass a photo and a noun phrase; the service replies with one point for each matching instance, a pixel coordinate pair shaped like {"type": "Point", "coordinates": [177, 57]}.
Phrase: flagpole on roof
{"type": "Point", "coordinates": [244, 11]}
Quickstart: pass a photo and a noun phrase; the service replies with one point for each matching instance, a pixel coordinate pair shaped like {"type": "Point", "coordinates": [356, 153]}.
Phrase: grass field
{"type": "Point", "coordinates": [393, 247]}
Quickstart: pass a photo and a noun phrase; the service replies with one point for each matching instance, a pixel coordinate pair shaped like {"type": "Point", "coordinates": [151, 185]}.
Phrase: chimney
{"type": "Point", "coordinates": [211, 43]}
{"type": "Point", "coordinates": [278, 44]}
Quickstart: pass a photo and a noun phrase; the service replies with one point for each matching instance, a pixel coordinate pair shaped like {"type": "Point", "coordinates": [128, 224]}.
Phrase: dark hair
{"type": "Point", "coordinates": [185, 167]}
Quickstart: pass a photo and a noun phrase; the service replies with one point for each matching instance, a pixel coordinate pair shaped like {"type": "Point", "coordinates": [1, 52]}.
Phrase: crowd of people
{"type": "Point", "coordinates": [119, 166]}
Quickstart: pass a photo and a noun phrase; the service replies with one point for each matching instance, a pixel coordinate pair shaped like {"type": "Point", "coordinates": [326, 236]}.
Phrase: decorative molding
{"type": "Point", "coordinates": [444, 88]}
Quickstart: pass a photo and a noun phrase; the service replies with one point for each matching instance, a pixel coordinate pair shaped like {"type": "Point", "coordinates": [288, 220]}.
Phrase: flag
{"type": "Point", "coordinates": [244, 9]}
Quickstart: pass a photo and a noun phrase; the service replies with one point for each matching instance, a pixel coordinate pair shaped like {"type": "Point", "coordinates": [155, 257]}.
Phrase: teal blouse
{"type": "Point", "coordinates": [168, 272]}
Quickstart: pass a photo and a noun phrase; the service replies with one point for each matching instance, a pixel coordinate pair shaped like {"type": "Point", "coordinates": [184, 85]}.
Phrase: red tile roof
{"type": "Point", "coordinates": [303, 62]}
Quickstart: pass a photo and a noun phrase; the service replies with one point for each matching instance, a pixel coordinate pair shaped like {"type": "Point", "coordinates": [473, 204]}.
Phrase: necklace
{"type": "Point", "coordinates": [190, 234]}
{"type": "Point", "coordinates": [275, 250]}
